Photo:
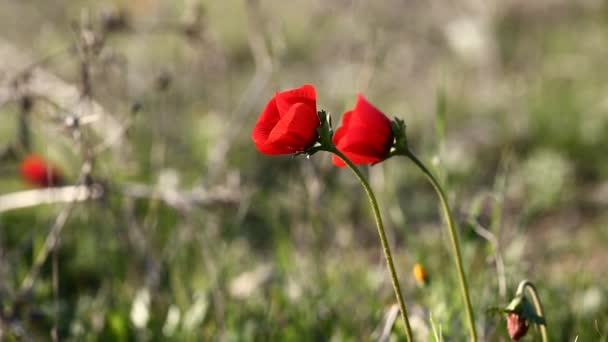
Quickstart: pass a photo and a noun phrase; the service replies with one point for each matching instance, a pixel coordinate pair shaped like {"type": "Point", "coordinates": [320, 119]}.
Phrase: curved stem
{"type": "Point", "coordinates": [537, 305]}
{"type": "Point", "coordinates": [385, 246]}
{"type": "Point", "coordinates": [454, 239]}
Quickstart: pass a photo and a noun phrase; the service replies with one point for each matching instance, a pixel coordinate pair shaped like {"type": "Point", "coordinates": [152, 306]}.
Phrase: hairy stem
{"type": "Point", "coordinates": [454, 240]}
{"type": "Point", "coordinates": [526, 284]}
{"type": "Point", "coordinates": [385, 246]}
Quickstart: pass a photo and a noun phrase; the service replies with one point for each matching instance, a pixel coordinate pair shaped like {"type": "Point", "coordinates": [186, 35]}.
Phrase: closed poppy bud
{"type": "Point", "coordinates": [365, 136]}
{"type": "Point", "coordinates": [520, 312]}
{"type": "Point", "coordinates": [289, 122]}
{"type": "Point", "coordinates": [38, 172]}
{"type": "Point", "coordinates": [420, 274]}
{"type": "Point", "coordinates": [517, 326]}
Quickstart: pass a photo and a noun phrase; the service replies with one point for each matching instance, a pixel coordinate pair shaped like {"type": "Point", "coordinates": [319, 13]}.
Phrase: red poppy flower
{"type": "Point", "coordinates": [365, 136]}
{"type": "Point", "coordinates": [37, 172]}
{"type": "Point", "coordinates": [289, 122]}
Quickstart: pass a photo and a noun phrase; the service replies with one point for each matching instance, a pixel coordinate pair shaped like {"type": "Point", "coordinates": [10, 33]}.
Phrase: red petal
{"type": "Point", "coordinates": [273, 149]}
{"type": "Point", "coordinates": [297, 129]}
{"type": "Point", "coordinates": [362, 141]}
{"type": "Point", "coordinates": [338, 161]}
{"type": "Point", "coordinates": [305, 94]}
{"type": "Point", "coordinates": [342, 130]}
{"type": "Point", "coordinates": [369, 116]}
{"type": "Point", "coordinates": [356, 159]}
{"type": "Point", "coordinates": [266, 122]}
{"type": "Point", "coordinates": [360, 151]}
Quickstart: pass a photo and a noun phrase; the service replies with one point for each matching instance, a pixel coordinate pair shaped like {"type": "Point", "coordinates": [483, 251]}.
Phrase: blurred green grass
{"type": "Point", "coordinates": [521, 148]}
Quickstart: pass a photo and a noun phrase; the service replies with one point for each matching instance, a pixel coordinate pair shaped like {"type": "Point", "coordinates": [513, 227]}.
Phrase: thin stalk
{"type": "Point", "coordinates": [385, 246]}
{"type": "Point", "coordinates": [454, 239]}
{"type": "Point", "coordinates": [537, 305]}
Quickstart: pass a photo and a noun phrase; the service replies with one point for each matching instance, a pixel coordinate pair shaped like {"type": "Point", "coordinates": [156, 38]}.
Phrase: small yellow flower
{"type": "Point", "coordinates": [420, 274]}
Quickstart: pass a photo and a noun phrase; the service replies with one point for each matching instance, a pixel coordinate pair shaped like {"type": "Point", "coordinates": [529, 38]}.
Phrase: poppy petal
{"type": "Point", "coordinates": [370, 116]}
{"type": "Point", "coordinates": [356, 159]}
{"type": "Point", "coordinates": [274, 149]}
{"type": "Point", "coordinates": [342, 130]}
{"type": "Point", "coordinates": [305, 94]}
{"type": "Point", "coordinates": [266, 122]}
{"type": "Point", "coordinates": [297, 129]}
{"type": "Point", "coordinates": [364, 141]}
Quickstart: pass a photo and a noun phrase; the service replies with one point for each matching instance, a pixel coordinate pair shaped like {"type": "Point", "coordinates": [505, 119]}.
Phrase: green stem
{"type": "Point", "coordinates": [385, 246]}
{"type": "Point", "coordinates": [537, 305]}
{"type": "Point", "coordinates": [454, 239]}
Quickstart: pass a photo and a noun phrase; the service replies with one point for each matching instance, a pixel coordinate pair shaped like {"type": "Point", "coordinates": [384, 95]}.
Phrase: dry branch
{"type": "Point", "coordinates": [65, 194]}
{"type": "Point", "coordinates": [183, 199]}
{"type": "Point", "coordinates": [21, 75]}
{"type": "Point", "coordinates": [178, 199]}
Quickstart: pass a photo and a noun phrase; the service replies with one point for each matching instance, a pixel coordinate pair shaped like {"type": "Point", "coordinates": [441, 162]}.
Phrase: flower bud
{"type": "Point", "coordinates": [517, 326]}
{"type": "Point", "coordinates": [520, 313]}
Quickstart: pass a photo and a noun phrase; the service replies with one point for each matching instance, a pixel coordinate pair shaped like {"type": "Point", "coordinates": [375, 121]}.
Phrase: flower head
{"type": "Point", "coordinates": [365, 136]}
{"type": "Point", "coordinates": [288, 124]}
{"type": "Point", "coordinates": [38, 172]}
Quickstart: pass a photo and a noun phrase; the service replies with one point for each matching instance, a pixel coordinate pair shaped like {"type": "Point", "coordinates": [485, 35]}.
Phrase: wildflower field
{"type": "Point", "coordinates": [265, 170]}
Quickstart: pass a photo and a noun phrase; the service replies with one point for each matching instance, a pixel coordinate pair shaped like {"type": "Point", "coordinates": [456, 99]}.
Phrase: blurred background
{"type": "Point", "coordinates": [171, 226]}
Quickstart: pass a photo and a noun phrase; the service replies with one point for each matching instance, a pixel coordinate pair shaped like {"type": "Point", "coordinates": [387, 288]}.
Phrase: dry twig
{"type": "Point", "coordinates": [21, 76]}
{"type": "Point", "coordinates": [65, 194]}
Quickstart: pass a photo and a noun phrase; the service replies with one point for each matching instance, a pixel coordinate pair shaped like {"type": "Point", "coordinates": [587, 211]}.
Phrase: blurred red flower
{"type": "Point", "coordinates": [365, 136]}
{"type": "Point", "coordinates": [38, 172]}
{"type": "Point", "coordinates": [289, 122]}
